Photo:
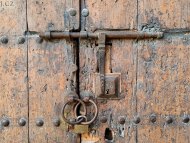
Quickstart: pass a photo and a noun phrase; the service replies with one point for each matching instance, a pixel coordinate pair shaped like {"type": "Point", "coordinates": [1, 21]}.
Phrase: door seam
{"type": "Point", "coordinates": [27, 67]}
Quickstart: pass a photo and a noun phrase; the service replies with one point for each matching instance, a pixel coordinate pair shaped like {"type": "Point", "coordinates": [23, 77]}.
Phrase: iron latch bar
{"type": "Point", "coordinates": [108, 34]}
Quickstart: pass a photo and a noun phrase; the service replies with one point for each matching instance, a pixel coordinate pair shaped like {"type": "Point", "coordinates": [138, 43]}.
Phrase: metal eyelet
{"type": "Point", "coordinates": [95, 116]}
{"type": "Point", "coordinates": [73, 122]}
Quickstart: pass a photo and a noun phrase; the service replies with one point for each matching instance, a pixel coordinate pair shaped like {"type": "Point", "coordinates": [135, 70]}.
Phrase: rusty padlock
{"type": "Point", "coordinates": [79, 128]}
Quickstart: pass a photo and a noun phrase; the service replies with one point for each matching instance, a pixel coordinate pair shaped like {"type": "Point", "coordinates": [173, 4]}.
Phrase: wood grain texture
{"type": "Point", "coordinates": [165, 13]}
{"type": "Point", "coordinates": [13, 72]}
{"type": "Point", "coordinates": [49, 81]}
{"type": "Point", "coordinates": [119, 62]}
{"type": "Point", "coordinates": [13, 17]}
{"type": "Point", "coordinates": [50, 15]}
{"type": "Point", "coordinates": [163, 89]}
{"type": "Point", "coordinates": [110, 14]}
{"type": "Point", "coordinates": [13, 87]}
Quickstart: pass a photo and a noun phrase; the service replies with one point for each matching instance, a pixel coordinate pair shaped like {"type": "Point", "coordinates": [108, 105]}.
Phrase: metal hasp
{"type": "Point", "coordinates": [101, 60]}
{"type": "Point", "coordinates": [106, 86]}
{"type": "Point", "coordinates": [108, 34]}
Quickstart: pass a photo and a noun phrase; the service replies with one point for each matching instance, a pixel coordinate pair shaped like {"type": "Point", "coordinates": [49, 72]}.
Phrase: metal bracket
{"type": "Point", "coordinates": [101, 60]}
{"type": "Point", "coordinates": [112, 82]}
{"type": "Point", "coordinates": [107, 87]}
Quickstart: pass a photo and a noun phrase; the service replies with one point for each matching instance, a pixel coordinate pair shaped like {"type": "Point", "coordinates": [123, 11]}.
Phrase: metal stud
{"type": "Point", "coordinates": [186, 119]}
{"type": "Point", "coordinates": [21, 40]}
{"type": "Point", "coordinates": [4, 39]}
{"type": "Point", "coordinates": [56, 122]}
{"type": "Point", "coordinates": [121, 120]}
{"type": "Point", "coordinates": [86, 99]}
{"type": "Point", "coordinates": [85, 12]}
{"type": "Point", "coordinates": [39, 40]}
{"type": "Point", "coordinates": [137, 120]}
{"type": "Point", "coordinates": [103, 119]}
{"type": "Point", "coordinates": [169, 120]}
{"type": "Point", "coordinates": [72, 12]}
{"type": "Point", "coordinates": [153, 118]}
{"type": "Point", "coordinates": [22, 122]}
{"type": "Point", "coordinates": [5, 122]}
{"type": "Point", "coordinates": [39, 122]}
{"type": "Point", "coordinates": [169, 40]}
{"type": "Point", "coordinates": [71, 99]}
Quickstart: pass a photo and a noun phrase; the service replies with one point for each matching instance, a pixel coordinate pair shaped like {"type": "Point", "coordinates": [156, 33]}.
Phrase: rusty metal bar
{"type": "Point", "coordinates": [109, 35]}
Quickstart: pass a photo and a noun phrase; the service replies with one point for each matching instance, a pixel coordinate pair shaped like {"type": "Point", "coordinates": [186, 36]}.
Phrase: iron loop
{"type": "Point", "coordinates": [76, 121]}
{"type": "Point", "coordinates": [93, 119]}
{"type": "Point", "coordinates": [82, 116]}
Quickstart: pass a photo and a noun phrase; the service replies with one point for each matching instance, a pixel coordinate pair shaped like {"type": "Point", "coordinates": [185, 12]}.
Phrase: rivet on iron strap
{"type": "Point", "coordinates": [101, 60]}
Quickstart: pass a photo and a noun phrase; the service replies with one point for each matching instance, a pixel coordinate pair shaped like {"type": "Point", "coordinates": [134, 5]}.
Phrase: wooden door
{"type": "Point", "coordinates": [13, 72]}
{"type": "Point", "coordinates": [154, 73]}
{"type": "Point", "coordinates": [33, 72]}
{"type": "Point", "coordinates": [48, 64]}
{"type": "Point", "coordinates": [36, 74]}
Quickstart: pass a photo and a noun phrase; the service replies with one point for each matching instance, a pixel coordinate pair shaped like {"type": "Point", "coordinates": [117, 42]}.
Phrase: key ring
{"type": "Point", "coordinates": [95, 116]}
{"type": "Point", "coordinates": [76, 121]}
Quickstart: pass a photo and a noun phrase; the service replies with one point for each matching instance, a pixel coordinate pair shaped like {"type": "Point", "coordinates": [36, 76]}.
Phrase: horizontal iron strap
{"type": "Point", "coordinates": [109, 35]}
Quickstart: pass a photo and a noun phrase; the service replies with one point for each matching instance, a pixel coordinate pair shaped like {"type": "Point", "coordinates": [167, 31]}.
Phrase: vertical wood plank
{"type": "Point", "coordinates": [50, 15]}
{"type": "Point", "coordinates": [122, 60]}
{"type": "Point", "coordinates": [13, 72]}
{"type": "Point", "coordinates": [163, 89]}
{"type": "Point", "coordinates": [49, 67]}
{"type": "Point", "coordinates": [49, 81]}
{"type": "Point", "coordinates": [164, 13]}
{"type": "Point", "coordinates": [109, 14]}
{"type": "Point", "coordinates": [13, 95]}
{"type": "Point", "coordinates": [13, 17]}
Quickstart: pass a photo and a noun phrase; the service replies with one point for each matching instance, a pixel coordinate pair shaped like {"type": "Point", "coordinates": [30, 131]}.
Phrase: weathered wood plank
{"type": "Point", "coordinates": [164, 13]}
{"type": "Point", "coordinates": [13, 87]}
{"type": "Point", "coordinates": [13, 17]}
{"type": "Point", "coordinates": [121, 58]}
{"type": "Point", "coordinates": [13, 71]}
{"type": "Point", "coordinates": [48, 15]}
{"type": "Point", "coordinates": [49, 77]}
{"type": "Point", "coordinates": [163, 89]}
{"type": "Point", "coordinates": [49, 81]}
{"type": "Point", "coordinates": [109, 14]}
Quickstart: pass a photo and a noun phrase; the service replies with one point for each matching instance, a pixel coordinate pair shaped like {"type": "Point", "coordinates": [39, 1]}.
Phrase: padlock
{"type": "Point", "coordinates": [81, 129]}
